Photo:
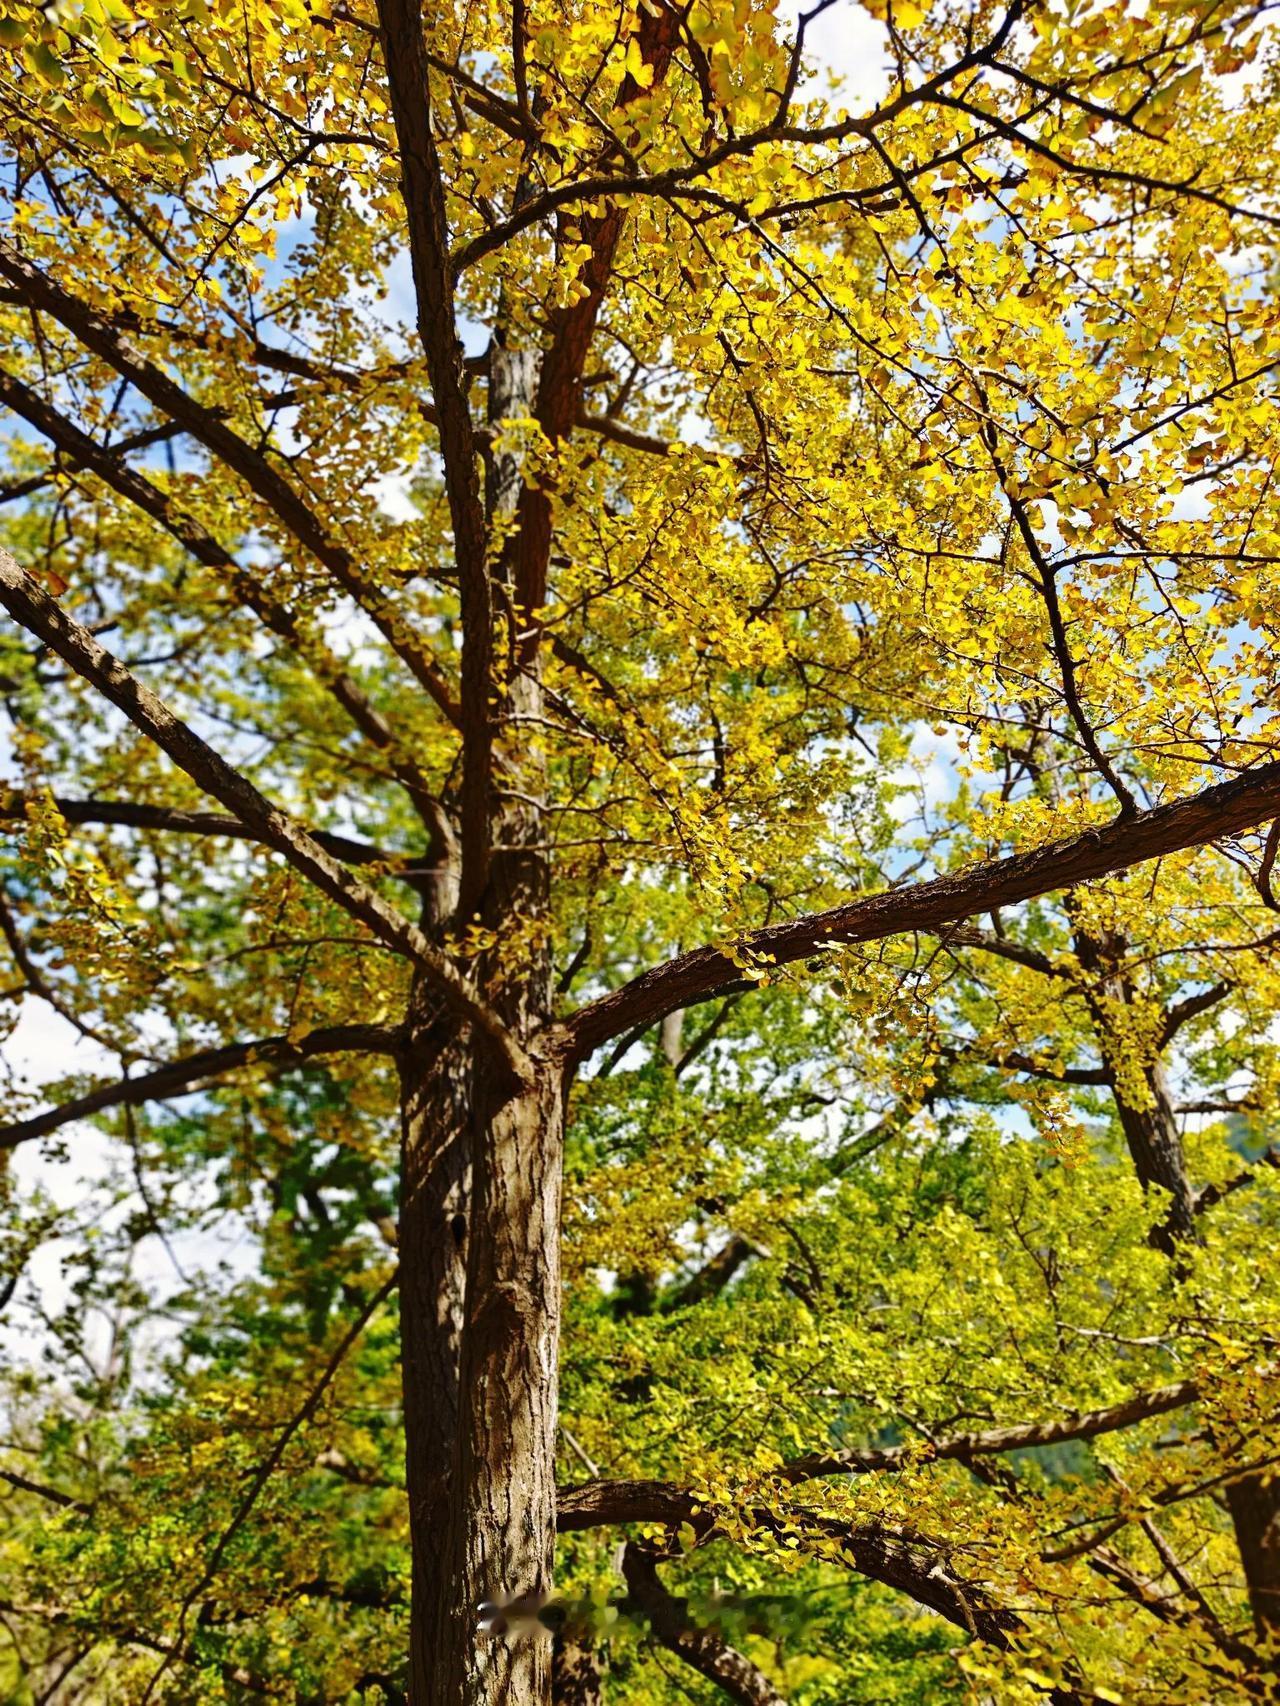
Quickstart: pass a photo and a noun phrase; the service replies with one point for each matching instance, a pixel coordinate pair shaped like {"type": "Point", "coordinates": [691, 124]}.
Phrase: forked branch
{"type": "Point", "coordinates": [1228, 808]}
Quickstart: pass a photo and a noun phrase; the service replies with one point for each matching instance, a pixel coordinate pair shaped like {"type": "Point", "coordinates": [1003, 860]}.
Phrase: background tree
{"type": "Point", "coordinates": [496, 498]}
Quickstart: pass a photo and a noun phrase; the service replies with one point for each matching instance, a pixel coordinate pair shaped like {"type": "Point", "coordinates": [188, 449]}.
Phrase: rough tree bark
{"type": "Point", "coordinates": [435, 1177]}
{"type": "Point", "coordinates": [481, 1190]}
{"type": "Point", "coordinates": [1254, 1503]}
{"type": "Point", "coordinates": [576, 1678]}
{"type": "Point", "coordinates": [480, 1228]}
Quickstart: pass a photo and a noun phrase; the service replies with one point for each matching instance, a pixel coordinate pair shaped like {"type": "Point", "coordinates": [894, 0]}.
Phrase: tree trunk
{"type": "Point", "coordinates": [1254, 1503]}
{"type": "Point", "coordinates": [506, 1498]}
{"type": "Point", "coordinates": [1155, 1145]}
{"type": "Point", "coordinates": [481, 1177]}
{"type": "Point", "coordinates": [480, 1241]}
{"type": "Point", "coordinates": [480, 1386]}
{"type": "Point", "coordinates": [575, 1672]}
{"type": "Point", "coordinates": [1151, 1132]}
{"type": "Point", "coordinates": [435, 1172]}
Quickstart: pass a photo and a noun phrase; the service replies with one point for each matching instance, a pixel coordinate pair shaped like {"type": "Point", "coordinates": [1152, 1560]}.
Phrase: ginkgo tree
{"type": "Point", "coordinates": [497, 494]}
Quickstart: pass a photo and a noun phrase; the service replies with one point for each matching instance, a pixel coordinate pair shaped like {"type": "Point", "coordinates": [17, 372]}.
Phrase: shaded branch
{"type": "Point", "coordinates": [37, 983]}
{"type": "Point", "coordinates": [195, 1071]}
{"type": "Point", "coordinates": [1160, 1605]}
{"type": "Point", "coordinates": [631, 438]}
{"type": "Point", "coordinates": [135, 441]}
{"type": "Point", "coordinates": [707, 1652]}
{"type": "Point", "coordinates": [714, 1275]}
{"type": "Point", "coordinates": [572, 326]}
{"type": "Point", "coordinates": [602, 185]}
{"type": "Point", "coordinates": [171, 820]}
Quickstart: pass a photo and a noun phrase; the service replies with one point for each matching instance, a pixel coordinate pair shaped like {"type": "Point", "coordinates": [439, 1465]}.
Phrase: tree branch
{"type": "Point", "coordinates": [1208, 1195]}
{"type": "Point", "coordinates": [715, 1274]}
{"type": "Point", "coordinates": [963, 1448]}
{"type": "Point", "coordinates": [51, 1495]}
{"type": "Point", "coordinates": [1016, 1062]}
{"type": "Point", "coordinates": [602, 185]}
{"type": "Point", "coordinates": [708, 1653]}
{"type": "Point", "coordinates": [559, 401]}
{"type": "Point", "coordinates": [195, 1071]}
{"type": "Point", "coordinates": [170, 820]}
{"type": "Point", "coordinates": [409, 89]}
{"type": "Point", "coordinates": [915, 1567]}
{"type": "Point", "coordinates": [1225, 809]}
{"type": "Point", "coordinates": [1003, 948]}
{"type": "Point", "coordinates": [135, 441]}
{"type": "Point", "coordinates": [1061, 643]}
{"type": "Point", "coordinates": [37, 983]}
{"type": "Point", "coordinates": [152, 500]}
{"type": "Point", "coordinates": [97, 333]}
{"type": "Point", "coordinates": [907, 1562]}
{"type": "Point", "coordinates": [595, 1503]}
{"type": "Point", "coordinates": [1188, 1008]}
{"type": "Point", "coordinates": [36, 611]}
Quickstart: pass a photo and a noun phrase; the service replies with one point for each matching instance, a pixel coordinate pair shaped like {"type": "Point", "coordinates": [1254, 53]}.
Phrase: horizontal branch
{"type": "Point", "coordinates": [195, 1071]}
{"type": "Point", "coordinates": [912, 1566]}
{"type": "Point", "coordinates": [1016, 1062]}
{"type": "Point", "coordinates": [596, 1503]}
{"type": "Point", "coordinates": [907, 1562]}
{"type": "Point", "coordinates": [28, 604]}
{"type": "Point", "coordinates": [1225, 809]}
{"type": "Point", "coordinates": [617, 432]}
{"type": "Point", "coordinates": [170, 820]}
{"type": "Point", "coordinates": [964, 1448]}
{"type": "Point", "coordinates": [1003, 948]}
{"type": "Point", "coordinates": [51, 1495]}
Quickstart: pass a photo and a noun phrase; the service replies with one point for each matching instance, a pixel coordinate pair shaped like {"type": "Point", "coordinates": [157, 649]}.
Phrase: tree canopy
{"type": "Point", "coordinates": [642, 795]}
